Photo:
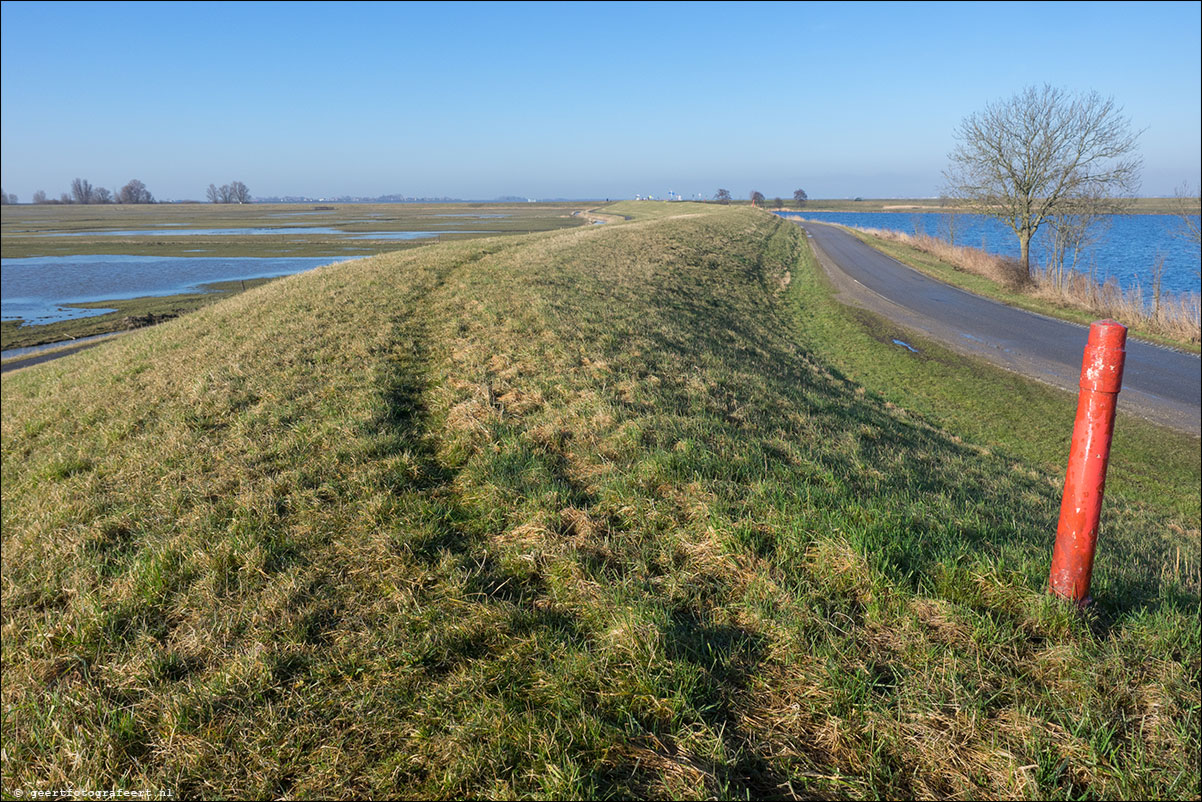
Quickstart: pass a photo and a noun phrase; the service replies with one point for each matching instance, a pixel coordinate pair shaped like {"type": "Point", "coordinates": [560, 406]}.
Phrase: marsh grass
{"type": "Point", "coordinates": [581, 514]}
{"type": "Point", "coordinates": [1174, 319]}
{"type": "Point", "coordinates": [29, 231]}
{"type": "Point", "coordinates": [24, 229]}
{"type": "Point", "coordinates": [13, 334]}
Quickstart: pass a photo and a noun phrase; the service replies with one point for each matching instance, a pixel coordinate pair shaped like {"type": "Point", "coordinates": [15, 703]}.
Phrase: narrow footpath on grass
{"type": "Point", "coordinates": [1160, 384]}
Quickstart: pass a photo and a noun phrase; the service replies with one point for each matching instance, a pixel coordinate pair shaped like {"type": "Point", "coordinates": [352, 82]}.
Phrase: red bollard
{"type": "Point", "coordinates": [1081, 507]}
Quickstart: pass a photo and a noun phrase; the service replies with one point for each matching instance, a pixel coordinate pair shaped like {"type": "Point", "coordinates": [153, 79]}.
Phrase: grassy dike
{"type": "Point", "coordinates": [589, 513]}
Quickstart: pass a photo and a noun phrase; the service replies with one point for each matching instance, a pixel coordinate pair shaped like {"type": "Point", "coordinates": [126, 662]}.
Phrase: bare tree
{"type": "Point", "coordinates": [1073, 235]}
{"type": "Point", "coordinates": [1024, 159]}
{"type": "Point", "coordinates": [757, 197]}
{"type": "Point", "coordinates": [5, 199]}
{"type": "Point", "coordinates": [239, 193]}
{"type": "Point", "coordinates": [1187, 208]}
{"type": "Point", "coordinates": [81, 191]}
{"type": "Point", "coordinates": [101, 195]}
{"type": "Point", "coordinates": [722, 196]}
{"type": "Point", "coordinates": [1076, 227]}
{"type": "Point", "coordinates": [39, 197]}
{"type": "Point", "coordinates": [65, 199]}
{"type": "Point", "coordinates": [212, 194]}
{"type": "Point", "coordinates": [800, 197]}
{"type": "Point", "coordinates": [135, 192]}
{"type": "Point", "coordinates": [949, 221]}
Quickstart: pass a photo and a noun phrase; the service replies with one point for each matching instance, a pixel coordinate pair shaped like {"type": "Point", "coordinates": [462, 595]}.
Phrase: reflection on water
{"type": "Point", "coordinates": [409, 234]}
{"type": "Point", "coordinates": [37, 289]}
{"type": "Point", "coordinates": [238, 232]}
{"type": "Point", "coordinates": [195, 232]}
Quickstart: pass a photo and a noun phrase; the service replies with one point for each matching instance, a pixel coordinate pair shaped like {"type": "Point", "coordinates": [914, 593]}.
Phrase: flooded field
{"type": "Point", "coordinates": [62, 263]}
{"type": "Point", "coordinates": [263, 229]}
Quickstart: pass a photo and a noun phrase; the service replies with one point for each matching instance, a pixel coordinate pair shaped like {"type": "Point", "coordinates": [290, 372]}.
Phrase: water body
{"type": "Point", "coordinates": [12, 353]}
{"type": "Point", "coordinates": [37, 289]}
{"type": "Point", "coordinates": [408, 234]}
{"type": "Point", "coordinates": [195, 232]}
{"type": "Point", "coordinates": [475, 216]}
{"type": "Point", "coordinates": [238, 232]}
{"type": "Point", "coordinates": [1127, 247]}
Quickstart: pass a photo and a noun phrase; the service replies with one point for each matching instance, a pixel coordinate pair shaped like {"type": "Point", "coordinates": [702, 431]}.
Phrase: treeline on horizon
{"type": "Point", "coordinates": [757, 198]}
{"type": "Point", "coordinates": [84, 193]}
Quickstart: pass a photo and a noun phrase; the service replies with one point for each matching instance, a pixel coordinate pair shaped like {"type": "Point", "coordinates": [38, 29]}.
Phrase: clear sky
{"type": "Point", "coordinates": [579, 100]}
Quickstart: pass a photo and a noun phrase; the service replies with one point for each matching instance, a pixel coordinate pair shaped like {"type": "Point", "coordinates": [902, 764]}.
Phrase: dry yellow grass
{"type": "Point", "coordinates": [1178, 317]}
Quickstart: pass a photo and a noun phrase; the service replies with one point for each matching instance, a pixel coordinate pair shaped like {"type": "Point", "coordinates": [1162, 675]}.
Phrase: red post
{"type": "Point", "coordinates": [1081, 507]}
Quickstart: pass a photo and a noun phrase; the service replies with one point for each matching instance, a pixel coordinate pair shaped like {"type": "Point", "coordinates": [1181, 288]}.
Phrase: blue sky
{"type": "Point", "coordinates": [580, 100]}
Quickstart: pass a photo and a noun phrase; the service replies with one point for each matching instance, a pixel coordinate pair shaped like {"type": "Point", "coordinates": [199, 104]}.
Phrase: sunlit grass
{"type": "Point", "coordinates": [580, 514]}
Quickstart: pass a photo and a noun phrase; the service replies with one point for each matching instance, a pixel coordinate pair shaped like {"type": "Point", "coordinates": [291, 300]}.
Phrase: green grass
{"type": "Point", "coordinates": [988, 404]}
{"type": "Point", "coordinates": [582, 514]}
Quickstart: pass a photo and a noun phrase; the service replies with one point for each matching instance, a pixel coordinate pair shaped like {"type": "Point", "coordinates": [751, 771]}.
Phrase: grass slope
{"type": "Point", "coordinates": [578, 514]}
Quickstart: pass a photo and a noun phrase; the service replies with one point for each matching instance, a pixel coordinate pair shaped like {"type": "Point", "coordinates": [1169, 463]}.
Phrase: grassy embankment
{"type": "Point", "coordinates": [587, 513]}
{"type": "Point", "coordinates": [33, 231]}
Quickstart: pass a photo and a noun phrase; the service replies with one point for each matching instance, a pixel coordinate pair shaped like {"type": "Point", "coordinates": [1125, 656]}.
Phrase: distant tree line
{"type": "Point", "coordinates": [6, 199]}
{"type": "Point", "coordinates": [757, 198]}
{"type": "Point", "coordinates": [233, 192]}
{"type": "Point", "coordinates": [83, 192]}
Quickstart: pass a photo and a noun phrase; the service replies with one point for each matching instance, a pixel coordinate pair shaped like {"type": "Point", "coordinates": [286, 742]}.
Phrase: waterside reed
{"type": "Point", "coordinates": [1175, 315]}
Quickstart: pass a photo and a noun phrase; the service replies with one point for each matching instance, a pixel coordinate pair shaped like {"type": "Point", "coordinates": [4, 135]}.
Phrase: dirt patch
{"type": "Point", "coordinates": [142, 321]}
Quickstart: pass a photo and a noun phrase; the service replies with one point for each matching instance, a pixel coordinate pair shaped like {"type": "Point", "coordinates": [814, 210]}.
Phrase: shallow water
{"type": "Point", "coordinates": [37, 289]}
{"type": "Point", "coordinates": [195, 232]}
{"type": "Point", "coordinates": [12, 353]}
{"type": "Point", "coordinates": [238, 232]}
{"type": "Point", "coordinates": [407, 234]}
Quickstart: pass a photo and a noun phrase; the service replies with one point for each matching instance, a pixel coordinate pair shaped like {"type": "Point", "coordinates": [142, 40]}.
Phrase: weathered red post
{"type": "Point", "coordinates": [1081, 507]}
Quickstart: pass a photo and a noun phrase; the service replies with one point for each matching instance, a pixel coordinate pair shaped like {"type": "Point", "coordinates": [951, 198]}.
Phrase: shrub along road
{"type": "Point", "coordinates": [1160, 384]}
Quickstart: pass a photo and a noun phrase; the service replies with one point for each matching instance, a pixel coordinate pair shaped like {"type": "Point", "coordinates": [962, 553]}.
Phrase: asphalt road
{"type": "Point", "coordinates": [1160, 384]}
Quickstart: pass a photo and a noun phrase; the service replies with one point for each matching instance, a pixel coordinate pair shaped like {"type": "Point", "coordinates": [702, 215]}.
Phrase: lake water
{"type": "Point", "coordinates": [36, 289]}
{"type": "Point", "coordinates": [1127, 247]}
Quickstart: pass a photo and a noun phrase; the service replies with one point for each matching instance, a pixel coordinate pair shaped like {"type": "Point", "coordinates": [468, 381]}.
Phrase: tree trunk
{"type": "Point", "coordinates": [1024, 246]}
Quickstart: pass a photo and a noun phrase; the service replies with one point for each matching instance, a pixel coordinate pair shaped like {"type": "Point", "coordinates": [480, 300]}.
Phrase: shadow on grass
{"type": "Point", "coordinates": [923, 497]}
